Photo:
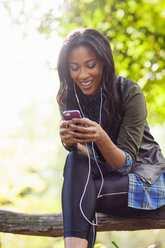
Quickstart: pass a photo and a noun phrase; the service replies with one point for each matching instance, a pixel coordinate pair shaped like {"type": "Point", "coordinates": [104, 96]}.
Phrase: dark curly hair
{"type": "Point", "coordinates": [100, 44]}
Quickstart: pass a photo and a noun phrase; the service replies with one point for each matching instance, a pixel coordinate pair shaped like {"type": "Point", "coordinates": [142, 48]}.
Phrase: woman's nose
{"type": "Point", "coordinates": [83, 74]}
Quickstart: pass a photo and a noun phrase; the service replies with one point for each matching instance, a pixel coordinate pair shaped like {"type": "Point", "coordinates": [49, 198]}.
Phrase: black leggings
{"type": "Point", "coordinates": [113, 198]}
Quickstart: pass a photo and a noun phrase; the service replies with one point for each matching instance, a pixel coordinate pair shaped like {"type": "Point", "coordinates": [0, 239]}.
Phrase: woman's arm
{"type": "Point", "coordinates": [90, 131]}
{"type": "Point", "coordinates": [133, 122]}
{"type": "Point", "coordinates": [114, 156]}
{"type": "Point", "coordinates": [129, 136]}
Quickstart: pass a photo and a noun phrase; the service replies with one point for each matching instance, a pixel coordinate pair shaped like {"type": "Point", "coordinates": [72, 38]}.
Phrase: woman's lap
{"type": "Point", "coordinates": [113, 197]}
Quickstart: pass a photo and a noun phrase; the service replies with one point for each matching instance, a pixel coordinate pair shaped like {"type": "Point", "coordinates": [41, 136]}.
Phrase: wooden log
{"type": "Point", "coordinates": [52, 224]}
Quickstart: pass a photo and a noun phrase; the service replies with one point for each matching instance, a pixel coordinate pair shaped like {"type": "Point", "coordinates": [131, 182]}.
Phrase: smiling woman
{"type": "Point", "coordinates": [114, 165]}
{"type": "Point", "coordinates": [85, 69]}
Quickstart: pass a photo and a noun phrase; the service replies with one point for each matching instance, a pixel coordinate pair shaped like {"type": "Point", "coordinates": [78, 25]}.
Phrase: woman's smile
{"type": "Point", "coordinates": [85, 69]}
{"type": "Point", "coordinates": [87, 84]}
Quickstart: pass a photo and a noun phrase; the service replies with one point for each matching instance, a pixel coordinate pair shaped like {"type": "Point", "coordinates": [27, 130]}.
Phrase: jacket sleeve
{"type": "Point", "coordinates": [132, 126]}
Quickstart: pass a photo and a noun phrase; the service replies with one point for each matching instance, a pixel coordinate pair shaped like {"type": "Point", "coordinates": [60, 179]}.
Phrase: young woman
{"type": "Point", "coordinates": [114, 165]}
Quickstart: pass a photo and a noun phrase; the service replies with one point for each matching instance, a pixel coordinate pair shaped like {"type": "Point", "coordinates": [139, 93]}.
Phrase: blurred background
{"type": "Point", "coordinates": [31, 155]}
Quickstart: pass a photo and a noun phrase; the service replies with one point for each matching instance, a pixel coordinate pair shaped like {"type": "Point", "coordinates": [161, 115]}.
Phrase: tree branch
{"type": "Point", "coordinates": [52, 224]}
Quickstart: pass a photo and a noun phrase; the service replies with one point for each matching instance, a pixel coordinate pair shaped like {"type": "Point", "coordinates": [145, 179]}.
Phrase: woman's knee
{"type": "Point", "coordinates": [75, 162]}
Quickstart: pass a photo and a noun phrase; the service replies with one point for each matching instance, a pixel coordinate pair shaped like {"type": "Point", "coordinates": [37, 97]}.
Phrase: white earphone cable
{"type": "Point", "coordinates": [89, 160]}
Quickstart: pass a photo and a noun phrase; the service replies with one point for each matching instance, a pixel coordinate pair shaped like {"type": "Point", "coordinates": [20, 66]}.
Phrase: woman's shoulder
{"type": "Point", "coordinates": [126, 86]}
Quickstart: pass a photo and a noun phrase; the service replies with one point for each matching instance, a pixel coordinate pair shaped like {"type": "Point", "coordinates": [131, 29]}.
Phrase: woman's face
{"type": "Point", "coordinates": [85, 69]}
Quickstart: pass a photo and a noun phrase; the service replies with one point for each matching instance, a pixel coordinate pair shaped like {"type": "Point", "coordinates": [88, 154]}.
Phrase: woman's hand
{"type": "Point", "coordinates": [81, 131]}
{"type": "Point", "coordinates": [69, 135]}
{"type": "Point", "coordinates": [64, 133]}
{"type": "Point", "coordinates": [85, 131]}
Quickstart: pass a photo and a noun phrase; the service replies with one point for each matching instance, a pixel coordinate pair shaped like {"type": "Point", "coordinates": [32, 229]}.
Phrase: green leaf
{"type": "Point", "coordinates": [115, 245]}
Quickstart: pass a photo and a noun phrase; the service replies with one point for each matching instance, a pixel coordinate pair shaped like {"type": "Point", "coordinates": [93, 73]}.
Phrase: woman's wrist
{"type": "Point", "coordinates": [71, 147]}
{"type": "Point", "coordinates": [102, 138]}
{"type": "Point", "coordinates": [84, 149]}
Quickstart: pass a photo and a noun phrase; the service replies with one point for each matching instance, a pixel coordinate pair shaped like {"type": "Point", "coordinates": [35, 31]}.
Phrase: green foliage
{"type": "Point", "coordinates": [25, 191]}
{"type": "Point", "coordinates": [140, 239]}
{"type": "Point", "coordinates": [136, 32]}
{"type": "Point", "coordinates": [115, 245]}
{"type": "Point", "coordinates": [99, 245]}
{"type": "Point", "coordinates": [32, 162]}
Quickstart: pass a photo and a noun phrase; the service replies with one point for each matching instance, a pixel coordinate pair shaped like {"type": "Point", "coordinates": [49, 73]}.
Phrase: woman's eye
{"type": "Point", "coordinates": [74, 68]}
{"type": "Point", "coordinates": [91, 66]}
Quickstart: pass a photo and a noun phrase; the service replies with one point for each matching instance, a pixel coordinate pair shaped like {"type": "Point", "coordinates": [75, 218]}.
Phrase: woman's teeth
{"type": "Point", "coordinates": [86, 84]}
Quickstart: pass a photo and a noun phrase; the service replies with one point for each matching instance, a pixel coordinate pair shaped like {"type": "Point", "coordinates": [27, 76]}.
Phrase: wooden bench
{"type": "Point", "coordinates": [52, 224]}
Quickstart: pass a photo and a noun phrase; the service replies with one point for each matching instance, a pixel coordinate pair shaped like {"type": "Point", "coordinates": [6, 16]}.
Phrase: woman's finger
{"type": "Point", "coordinates": [83, 122]}
{"type": "Point", "coordinates": [80, 128]}
{"type": "Point", "coordinates": [65, 124]}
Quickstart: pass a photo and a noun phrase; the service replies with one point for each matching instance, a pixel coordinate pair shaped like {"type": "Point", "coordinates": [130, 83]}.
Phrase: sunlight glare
{"type": "Point", "coordinates": [26, 68]}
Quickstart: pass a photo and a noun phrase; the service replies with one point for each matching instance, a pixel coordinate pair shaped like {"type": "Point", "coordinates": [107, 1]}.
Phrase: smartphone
{"type": "Point", "coordinates": [70, 114]}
